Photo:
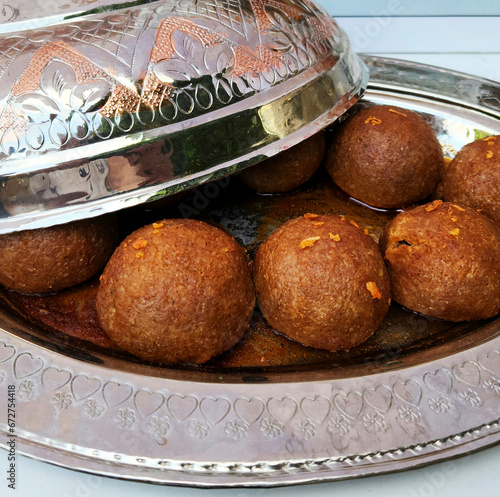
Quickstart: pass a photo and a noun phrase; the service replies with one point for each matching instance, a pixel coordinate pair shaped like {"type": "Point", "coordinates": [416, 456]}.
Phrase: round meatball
{"type": "Point", "coordinates": [287, 170]}
{"type": "Point", "coordinates": [473, 177]}
{"type": "Point", "coordinates": [178, 290]}
{"type": "Point", "coordinates": [50, 259]}
{"type": "Point", "coordinates": [386, 157]}
{"type": "Point", "coordinates": [321, 281]}
{"type": "Point", "coordinates": [444, 261]}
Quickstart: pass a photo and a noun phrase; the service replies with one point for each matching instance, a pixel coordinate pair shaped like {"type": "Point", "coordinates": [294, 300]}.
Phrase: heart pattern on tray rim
{"type": "Point", "coordinates": [379, 397]}
{"type": "Point", "coordinates": [26, 365]}
{"type": "Point", "coordinates": [115, 394]}
{"type": "Point", "coordinates": [7, 352]}
{"type": "Point", "coordinates": [181, 406]}
{"type": "Point", "coordinates": [440, 381]}
{"type": "Point", "coordinates": [249, 410]}
{"type": "Point", "coordinates": [350, 404]}
{"type": "Point", "coordinates": [490, 362]}
{"type": "Point", "coordinates": [214, 410]}
{"type": "Point", "coordinates": [468, 373]}
{"type": "Point", "coordinates": [147, 403]}
{"type": "Point", "coordinates": [408, 391]}
{"type": "Point", "coordinates": [83, 386]}
{"type": "Point", "coordinates": [283, 409]}
{"type": "Point", "coordinates": [316, 408]}
{"type": "Point", "coordinates": [54, 379]}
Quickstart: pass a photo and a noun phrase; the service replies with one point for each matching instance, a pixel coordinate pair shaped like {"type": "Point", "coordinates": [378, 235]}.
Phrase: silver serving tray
{"type": "Point", "coordinates": [127, 102]}
{"type": "Point", "coordinates": [85, 410]}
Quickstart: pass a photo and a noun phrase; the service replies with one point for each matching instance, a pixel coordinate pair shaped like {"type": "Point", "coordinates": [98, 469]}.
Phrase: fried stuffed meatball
{"type": "Point", "coordinates": [174, 291]}
{"type": "Point", "coordinates": [386, 157]}
{"type": "Point", "coordinates": [444, 261]}
{"type": "Point", "coordinates": [287, 170]}
{"type": "Point", "coordinates": [50, 259]}
{"type": "Point", "coordinates": [322, 282]}
{"type": "Point", "coordinates": [473, 177]}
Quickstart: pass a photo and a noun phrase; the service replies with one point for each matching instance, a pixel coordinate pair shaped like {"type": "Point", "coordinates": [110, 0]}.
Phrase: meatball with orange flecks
{"type": "Point", "coordinates": [473, 177]}
{"type": "Point", "coordinates": [287, 170]}
{"type": "Point", "coordinates": [321, 281]}
{"type": "Point", "coordinates": [50, 259]}
{"type": "Point", "coordinates": [385, 156]}
{"type": "Point", "coordinates": [444, 261]}
{"type": "Point", "coordinates": [178, 290]}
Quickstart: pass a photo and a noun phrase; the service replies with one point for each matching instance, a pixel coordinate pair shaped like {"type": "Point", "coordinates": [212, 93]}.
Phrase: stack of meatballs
{"type": "Point", "coordinates": [184, 291]}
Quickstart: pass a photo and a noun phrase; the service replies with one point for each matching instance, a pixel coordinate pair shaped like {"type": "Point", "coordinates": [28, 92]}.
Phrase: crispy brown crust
{"type": "Point", "coordinates": [473, 177]}
{"type": "Point", "coordinates": [287, 170]}
{"type": "Point", "coordinates": [50, 259]}
{"type": "Point", "coordinates": [385, 156]}
{"type": "Point", "coordinates": [178, 290]}
{"type": "Point", "coordinates": [322, 294]}
{"type": "Point", "coordinates": [444, 261]}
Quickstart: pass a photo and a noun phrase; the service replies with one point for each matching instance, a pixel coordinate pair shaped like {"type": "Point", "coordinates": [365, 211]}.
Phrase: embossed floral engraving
{"type": "Point", "coordinates": [342, 428]}
{"type": "Point", "coordinates": [374, 422]}
{"type": "Point", "coordinates": [205, 56]}
{"type": "Point", "coordinates": [125, 418]}
{"type": "Point", "coordinates": [492, 384]}
{"type": "Point", "coordinates": [60, 97]}
{"type": "Point", "coordinates": [271, 427]}
{"type": "Point", "coordinates": [470, 398]}
{"type": "Point", "coordinates": [61, 401]}
{"type": "Point", "coordinates": [409, 414]}
{"type": "Point", "coordinates": [439, 405]}
{"type": "Point", "coordinates": [236, 429]}
{"type": "Point", "coordinates": [158, 427]}
{"type": "Point", "coordinates": [198, 429]}
{"type": "Point", "coordinates": [26, 390]}
{"type": "Point", "coordinates": [92, 409]}
{"type": "Point", "coordinates": [338, 425]}
{"type": "Point", "coordinates": [305, 428]}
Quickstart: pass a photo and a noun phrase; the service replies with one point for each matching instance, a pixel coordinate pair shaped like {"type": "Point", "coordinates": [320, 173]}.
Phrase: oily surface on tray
{"type": "Point", "coordinates": [251, 218]}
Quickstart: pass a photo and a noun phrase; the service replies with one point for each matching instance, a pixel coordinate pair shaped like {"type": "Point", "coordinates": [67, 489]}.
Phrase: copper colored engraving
{"type": "Point", "coordinates": [248, 29]}
{"type": "Point", "coordinates": [85, 70]}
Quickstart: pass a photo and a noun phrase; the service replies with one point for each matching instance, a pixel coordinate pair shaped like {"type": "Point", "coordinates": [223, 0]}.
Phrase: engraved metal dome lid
{"type": "Point", "coordinates": [105, 105]}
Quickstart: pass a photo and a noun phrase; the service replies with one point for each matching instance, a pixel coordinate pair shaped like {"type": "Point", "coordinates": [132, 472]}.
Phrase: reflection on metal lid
{"type": "Point", "coordinates": [182, 76]}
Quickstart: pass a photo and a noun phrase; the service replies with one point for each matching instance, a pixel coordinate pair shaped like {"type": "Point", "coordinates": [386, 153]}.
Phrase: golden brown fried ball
{"type": "Point", "coordinates": [50, 259]}
{"type": "Point", "coordinates": [321, 281]}
{"type": "Point", "coordinates": [386, 156]}
{"type": "Point", "coordinates": [287, 170]}
{"type": "Point", "coordinates": [444, 261]}
{"type": "Point", "coordinates": [178, 290]}
{"type": "Point", "coordinates": [473, 177]}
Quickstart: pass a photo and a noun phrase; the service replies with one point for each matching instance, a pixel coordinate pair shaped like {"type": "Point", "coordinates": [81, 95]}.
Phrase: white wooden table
{"type": "Point", "coordinates": [468, 44]}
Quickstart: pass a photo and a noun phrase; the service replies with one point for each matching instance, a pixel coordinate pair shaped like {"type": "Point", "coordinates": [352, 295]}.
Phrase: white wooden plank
{"type": "Point", "coordinates": [423, 34]}
{"type": "Point", "coordinates": [412, 7]}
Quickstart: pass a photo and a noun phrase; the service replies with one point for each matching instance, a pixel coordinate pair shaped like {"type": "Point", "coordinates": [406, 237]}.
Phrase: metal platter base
{"type": "Point", "coordinates": [133, 421]}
